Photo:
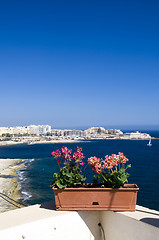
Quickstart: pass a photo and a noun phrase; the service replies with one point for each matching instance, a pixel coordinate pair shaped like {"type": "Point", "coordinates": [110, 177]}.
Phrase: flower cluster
{"type": "Point", "coordinates": [95, 164]}
{"type": "Point", "coordinates": [78, 156]}
{"type": "Point", "coordinates": [98, 164]}
{"type": "Point", "coordinates": [65, 153]}
{"type": "Point", "coordinates": [111, 170]}
{"type": "Point", "coordinates": [70, 174]}
{"type": "Point", "coordinates": [56, 153]}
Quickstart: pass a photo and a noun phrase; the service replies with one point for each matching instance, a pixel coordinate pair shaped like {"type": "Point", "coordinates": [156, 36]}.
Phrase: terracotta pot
{"type": "Point", "coordinates": [108, 199]}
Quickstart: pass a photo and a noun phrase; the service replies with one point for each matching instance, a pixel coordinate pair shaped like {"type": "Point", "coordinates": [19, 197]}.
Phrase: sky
{"type": "Point", "coordinates": [75, 64]}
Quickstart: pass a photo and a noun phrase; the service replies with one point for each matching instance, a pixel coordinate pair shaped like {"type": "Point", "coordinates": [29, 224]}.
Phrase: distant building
{"type": "Point", "coordinates": [74, 133]}
{"type": "Point", "coordinates": [67, 133]}
{"type": "Point", "coordinates": [115, 131]}
{"type": "Point", "coordinates": [27, 130]}
{"type": "Point", "coordinates": [13, 131]}
{"type": "Point", "coordinates": [95, 130]}
{"type": "Point", "coordinates": [56, 132]}
{"type": "Point", "coordinates": [138, 135]}
{"type": "Point", "coordinates": [39, 129]}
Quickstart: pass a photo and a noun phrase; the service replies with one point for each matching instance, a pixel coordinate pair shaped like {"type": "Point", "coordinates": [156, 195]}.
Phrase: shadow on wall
{"type": "Point", "coordinates": [152, 221]}
{"type": "Point", "coordinates": [48, 205]}
{"type": "Point", "coordinates": [91, 220]}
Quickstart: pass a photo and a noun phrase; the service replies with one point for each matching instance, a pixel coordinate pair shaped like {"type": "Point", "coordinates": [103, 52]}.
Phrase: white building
{"type": "Point", "coordinates": [13, 131]}
{"type": "Point", "coordinates": [67, 133]}
{"type": "Point", "coordinates": [27, 130]}
{"type": "Point", "coordinates": [96, 130]}
{"type": "Point", "coordinates": [138, 135]}
{"type": "Point", "coordinates": [73, 133]}
{"type": "Point", "coordinates": [102, 131]}
{"type": "Point", "coordinates": [115, 131]}
{"type": "Point", "coordinates": [39, 129]}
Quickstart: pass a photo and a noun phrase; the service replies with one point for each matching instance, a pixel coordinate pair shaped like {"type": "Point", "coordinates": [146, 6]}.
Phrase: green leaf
{"type": "Point", "coordinates": [60, 185]}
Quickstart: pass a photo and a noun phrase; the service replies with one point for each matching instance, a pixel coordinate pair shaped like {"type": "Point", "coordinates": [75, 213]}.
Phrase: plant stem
{"type": "Point", "coordinates": [104, 177]}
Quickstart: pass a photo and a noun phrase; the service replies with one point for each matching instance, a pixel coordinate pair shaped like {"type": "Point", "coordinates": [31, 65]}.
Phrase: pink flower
{"type": "Point", "coordinates": [96, 164]}
{"type": "Point", "coordinates": [78, 155]}
{"type": "Point", "coordinates": [66, 153]}
{"type": "Point", "coordinates": [122, 158]}
{"type": "Point", "coordinates": [107, 164]}
{"type": "Point", "coordinates": [82, 163]}
{"type": "Point", "coordinates": [56, 153]}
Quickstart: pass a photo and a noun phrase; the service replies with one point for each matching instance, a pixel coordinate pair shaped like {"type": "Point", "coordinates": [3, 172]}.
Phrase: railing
{"type": "Point", "coordinates": [12, 201]}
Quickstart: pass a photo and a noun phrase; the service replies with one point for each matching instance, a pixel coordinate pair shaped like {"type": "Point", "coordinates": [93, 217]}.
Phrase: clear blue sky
{"type": "Point", "coordinates": [79, 63]}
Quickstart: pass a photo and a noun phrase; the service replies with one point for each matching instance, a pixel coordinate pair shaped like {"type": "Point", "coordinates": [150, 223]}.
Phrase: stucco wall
{"type": "Point", "coordinates": [69, 226]}
{"type": "Point", "coordinates": [118, 226]}
{"type": "Point", "coordinates": [41, 222]}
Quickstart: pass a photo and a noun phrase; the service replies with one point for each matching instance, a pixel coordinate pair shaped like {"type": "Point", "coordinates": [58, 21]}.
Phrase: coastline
{"type": "Point", "coordinates": [9, 143]}
{"type": "Point", "coordinates": [44, 134]}
{"type": "Point", "coordinates": [9, 182]}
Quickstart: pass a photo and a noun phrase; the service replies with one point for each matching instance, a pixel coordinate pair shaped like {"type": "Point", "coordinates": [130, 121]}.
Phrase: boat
{"type": "Point", "coordinates": [149, 144]}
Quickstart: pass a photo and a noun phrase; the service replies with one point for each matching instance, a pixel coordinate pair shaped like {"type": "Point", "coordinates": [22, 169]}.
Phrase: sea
{"type": "Point", "coordinates": [39, 166]}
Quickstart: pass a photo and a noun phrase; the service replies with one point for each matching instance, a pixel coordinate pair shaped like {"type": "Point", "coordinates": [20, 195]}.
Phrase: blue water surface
{"type": "Point", "coordinates": [35, 178]}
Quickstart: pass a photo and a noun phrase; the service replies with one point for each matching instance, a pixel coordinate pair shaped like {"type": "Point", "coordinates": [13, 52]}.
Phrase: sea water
{"type": "Point", "coordinates": [39, 166]}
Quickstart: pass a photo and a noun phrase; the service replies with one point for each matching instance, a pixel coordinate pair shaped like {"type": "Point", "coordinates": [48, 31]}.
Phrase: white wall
{"type": "Point", "coordinates": [39, 223]}
{"type": "Point", "coordinates": [121, 227]}
{"type": "Point", "coordinates": [69, 226]}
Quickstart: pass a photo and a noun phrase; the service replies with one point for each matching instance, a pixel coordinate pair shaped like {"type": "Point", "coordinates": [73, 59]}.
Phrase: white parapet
{"type": "Point", "coordinates": [39, 222]}
{"type": "Point", "coordinates": [143, 224]}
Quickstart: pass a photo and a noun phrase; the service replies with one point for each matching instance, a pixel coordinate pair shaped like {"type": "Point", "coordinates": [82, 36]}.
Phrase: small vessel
{"type": "Point", "coordinates": [149, 144]}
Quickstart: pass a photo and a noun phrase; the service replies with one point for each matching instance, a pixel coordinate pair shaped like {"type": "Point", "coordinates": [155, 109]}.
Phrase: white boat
{"type": "Point", "coordinates": [149, 144]}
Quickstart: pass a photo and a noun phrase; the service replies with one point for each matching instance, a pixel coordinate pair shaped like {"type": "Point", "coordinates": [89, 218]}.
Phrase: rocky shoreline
{"type": "Point", "coordinates": [9, 183]}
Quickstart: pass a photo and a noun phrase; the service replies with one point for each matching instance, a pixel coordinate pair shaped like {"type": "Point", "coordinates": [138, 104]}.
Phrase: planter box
{"type": "Point", "coordinates": [108, 199]}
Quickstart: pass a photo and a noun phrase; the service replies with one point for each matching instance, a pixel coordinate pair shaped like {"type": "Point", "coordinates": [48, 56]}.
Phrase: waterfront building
{"type": "Point", "coordinates": [13, 131]}
{"type": "Point", "coordinates": [67, 133]}
{"type": "Point", "coordinates": [96, 130]}
{"type": "Point", "coordinates": [3, 130]}
{"type": "Point", "coordinates": [115, 131]}
{"type": "Point", "coordinates": [38, 129]}
{"type": "Point", "coordinates": [74, 133]}
{"type": "Point", "coordinates": [56, 132]}
{"type": "Point", "coordinates": [27, 130]}
{"type": "Point", "coordinates": [138, 135]}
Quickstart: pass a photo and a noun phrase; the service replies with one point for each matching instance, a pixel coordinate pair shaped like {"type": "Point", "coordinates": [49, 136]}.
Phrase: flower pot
{"type": "Point", "coordinates": [108, 199]}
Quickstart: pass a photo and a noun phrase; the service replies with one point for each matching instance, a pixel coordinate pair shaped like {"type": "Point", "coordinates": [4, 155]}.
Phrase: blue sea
{"type": "Point", "coordinates": [36, 176]}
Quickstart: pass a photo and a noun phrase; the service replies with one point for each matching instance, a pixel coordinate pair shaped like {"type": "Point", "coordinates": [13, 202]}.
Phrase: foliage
{"type": "Point", "coordinates": [111, 171]}
{"type": "Point", "coordinates": [70, 175]}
